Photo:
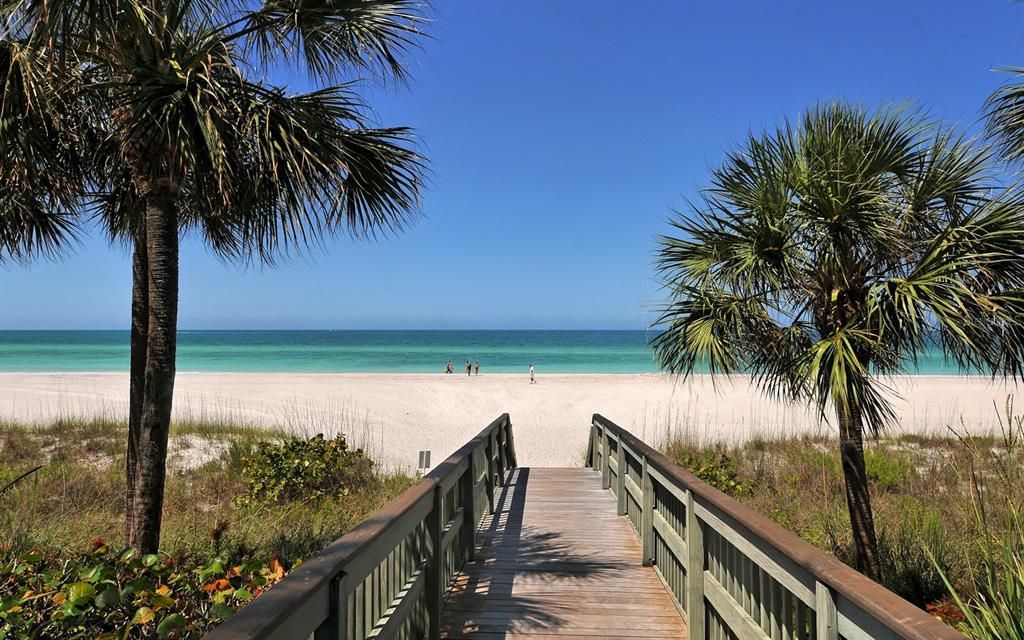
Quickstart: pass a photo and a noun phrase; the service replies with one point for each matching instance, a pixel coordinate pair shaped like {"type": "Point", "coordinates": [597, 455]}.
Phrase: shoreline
{"type": "Point", "coordinates": [396, 415]}
{"type": "Point", "coordinates": [457, 374]}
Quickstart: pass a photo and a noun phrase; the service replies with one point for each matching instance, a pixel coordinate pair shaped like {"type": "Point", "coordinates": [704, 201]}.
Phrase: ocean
{"type": "Point", "coordinates": [355, 351]}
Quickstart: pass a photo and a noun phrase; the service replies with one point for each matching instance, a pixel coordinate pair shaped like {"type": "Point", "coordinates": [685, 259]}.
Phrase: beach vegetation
{"type": "Point", "coordinates": [837, 250]}
{"type": "Point", "coordinates": [713, 464]}
{"type": "Point", "coordinates": [947, 510]}
{"type": "Point", "coordinates": [304, 468]}
{"type": "Point", "coordinates": [173, 129]}
{"type": "Point", "coordinates": [67, 569]}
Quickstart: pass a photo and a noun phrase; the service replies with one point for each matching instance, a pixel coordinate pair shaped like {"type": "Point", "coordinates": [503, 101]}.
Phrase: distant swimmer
{"type": "Point", "coordinates": [533, 375]}
{"type": "Point", "coordinates": [469, 368]}
{"type": "Point", "coordinates": [476, 368]}
{"type": "Point", "coordinates": [449, 368]}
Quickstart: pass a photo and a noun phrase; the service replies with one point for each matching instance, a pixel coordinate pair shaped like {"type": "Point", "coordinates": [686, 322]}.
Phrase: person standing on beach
{"type": "Point", "coordinates": [469, 368]}
{"type": "Point", "coordinates": [533, 379]}
{"type": "Point", "coordinates": [476, 368]}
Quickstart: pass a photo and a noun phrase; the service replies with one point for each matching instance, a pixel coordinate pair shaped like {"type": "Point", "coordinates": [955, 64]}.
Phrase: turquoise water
{"type": "Point", "coordinates": [355, 351]}
{"type": "Point", "coordinates": [340, 351]}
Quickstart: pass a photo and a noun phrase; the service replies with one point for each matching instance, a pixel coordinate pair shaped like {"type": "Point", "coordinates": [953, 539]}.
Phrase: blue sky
{"type": "Point", "coordinates": [560, 137]}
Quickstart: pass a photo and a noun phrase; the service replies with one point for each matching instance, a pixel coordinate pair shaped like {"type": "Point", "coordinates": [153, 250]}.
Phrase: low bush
{"type": "Point", "coordinates": [304, 468]}
{"type": "Point", "coordinates": [712, 465]}
{"type": "Point", "coordinates": [216, 554]}
{"type": "Point", "coordinates": [107, 594]}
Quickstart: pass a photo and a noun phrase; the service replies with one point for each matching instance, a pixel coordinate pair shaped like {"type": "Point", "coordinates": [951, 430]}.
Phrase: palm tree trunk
{"type": "Point", "coordinates": [858, 499]}
{"type": "Point", "coordinates": [139, 333]}
{"type": "Point", "coordinates": [161, 345]}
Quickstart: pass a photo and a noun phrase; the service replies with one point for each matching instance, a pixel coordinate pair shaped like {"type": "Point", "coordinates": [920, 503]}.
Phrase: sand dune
{"type": "Point", "coordinates": [398, 415]}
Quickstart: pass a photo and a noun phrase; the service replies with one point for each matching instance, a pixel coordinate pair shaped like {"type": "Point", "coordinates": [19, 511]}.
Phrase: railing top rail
{"type": "Point", "coordinates": [264, 615]}
{"type": "Point", "coordinates": [885, 606]}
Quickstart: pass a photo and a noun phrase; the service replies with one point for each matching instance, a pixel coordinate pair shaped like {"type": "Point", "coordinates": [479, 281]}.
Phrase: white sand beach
{"type": "Point", "coordinates": [397, 415]}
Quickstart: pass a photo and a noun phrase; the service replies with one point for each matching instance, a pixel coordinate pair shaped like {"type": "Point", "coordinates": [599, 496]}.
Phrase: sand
{"type": "Point", "coordinates": [397, 415]}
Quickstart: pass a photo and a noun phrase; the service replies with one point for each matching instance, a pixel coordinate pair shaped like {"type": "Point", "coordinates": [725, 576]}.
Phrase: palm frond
{"type": "Point", "coordinates": [1004, 113]}
{"type": "Point", "coordinates": [336, 36]}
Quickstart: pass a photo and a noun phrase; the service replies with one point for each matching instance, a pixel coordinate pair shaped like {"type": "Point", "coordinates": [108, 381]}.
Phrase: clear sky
{"type": "Point", "coordinates": [561, 134]}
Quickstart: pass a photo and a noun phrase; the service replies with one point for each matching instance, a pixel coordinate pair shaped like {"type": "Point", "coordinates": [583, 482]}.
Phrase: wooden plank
{"type": "Point", "coordinates": [554, 561]}
{"type": "Point", "coordinates": [741, 624]}
{"type": "Point", "coordinates": [790, 575]}
{"type": "Point", "coordinates": [397, 613]}
{"type": "Point", "coordinates": [826, 623]}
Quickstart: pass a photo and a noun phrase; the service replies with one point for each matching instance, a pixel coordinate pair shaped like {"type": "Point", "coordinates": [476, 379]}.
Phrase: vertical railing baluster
{"type": "Point", "coordinates": [511, 443]}
{"type": "Point", "coordinates": [647, 516]}
{"type": "Point", "coordinates": [605, 467]}
{"type": "Point", "coordinates": [620, 477]}
{"type": "Point", "coordinates": [433, 589]}
{"type": "Point", "coordinates": [826, 619]}
{"type": "Point", "coordinates": [694, 571]}
{"type": "Point", "coordinates": [494, 462]}
{"type": "Point", "coordinates": [335, 626]}
{"type": "Point", "coordinates": [500, 437]}
{"type": "Point", "coordinates": [469, 511]}
{"type": "Point", "coordinates": [489, 479]}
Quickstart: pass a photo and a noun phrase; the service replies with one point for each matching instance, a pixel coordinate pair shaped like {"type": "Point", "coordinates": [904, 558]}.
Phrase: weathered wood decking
{"type": "Point", "coordinates": [555, 561]}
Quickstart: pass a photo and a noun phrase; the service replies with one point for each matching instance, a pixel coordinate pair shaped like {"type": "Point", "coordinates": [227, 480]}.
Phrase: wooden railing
{"type": "Point", "coordinates": [389, 577]}
{"type": "Point", "coordinates": [732, 572]}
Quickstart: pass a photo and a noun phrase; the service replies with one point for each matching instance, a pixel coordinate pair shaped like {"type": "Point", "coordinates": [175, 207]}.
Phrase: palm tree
{"type": "Point", "coordinates": [41, 176]}
{"type": "Point", "coordinates": [831, 253]}
{"type": "Point", "coordinates": [193, 140]}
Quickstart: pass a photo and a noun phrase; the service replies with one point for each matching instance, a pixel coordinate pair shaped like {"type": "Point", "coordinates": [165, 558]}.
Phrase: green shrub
{"type": "Point", "coordinates": [906, 534]}
{"type": "Point", "coordinates": [298, 469]}
{"type": "Point", "coordinates": [106, 594]}
{"type": "Point", "coordinates": [888, 470]}
{"type": "Point", "coordinates": [996, 611]}
{"type": "Point", "coordinates": [713, 465]}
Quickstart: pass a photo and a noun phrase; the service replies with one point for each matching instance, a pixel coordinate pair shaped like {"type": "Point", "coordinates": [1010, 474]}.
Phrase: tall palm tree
{"type": "Point", "coordinates": [830, 253]}
{"type": "Point", "coordinates": [193, 140]}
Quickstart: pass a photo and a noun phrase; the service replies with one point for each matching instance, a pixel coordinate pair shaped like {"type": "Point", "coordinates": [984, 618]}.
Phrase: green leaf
{"type": "Point", "coordinates": [159, 601]}
{"type": "Point", "coordinates": [109, 597]}
{"type": "Point", "coordinates": [171, 623]}
{"type": "Point", "coordinates": [143, 615]}
{"type": "Point", "coordinates": [222, 611]}
{"type": "Point", "coordinates": [243, 594]}
{"type": "Point", "coordinates": [80, 593]}
{"type": "Point", "coordinates": [150, 559]}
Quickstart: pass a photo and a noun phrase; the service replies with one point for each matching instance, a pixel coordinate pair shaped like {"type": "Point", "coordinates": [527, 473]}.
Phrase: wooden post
{"type": "Point", "coordinates": [647, 518]}
{"type": "Point", "coordinates": [511, 445]}
{"type": "Point", "coordinates": [694, 571]}
{"type": "Point", "coordinates": [495, 466]}
{"type": "Point", "coordinates": [606, 480]}
{"type": "Point", "coordinates": [433, 590]}
{"type": "Point", "coordinates": [489, 479]}
{"type": "Point", "coordinates": [502, 465]}
{"type": "Point", "coordinates": [592, 447]}
{"type": "Point", "coordinates": [335, 627]}
{"type": "Point", "coordinates": [620, 476]}
{"type": "Point", "coordinates": [469, 511]}
{"type": "Point", "coordinates": [827, 620]}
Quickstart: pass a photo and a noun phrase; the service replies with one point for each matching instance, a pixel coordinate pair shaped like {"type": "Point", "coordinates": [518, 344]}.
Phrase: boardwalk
{"type": "Point", "coordinates": [554, 561]}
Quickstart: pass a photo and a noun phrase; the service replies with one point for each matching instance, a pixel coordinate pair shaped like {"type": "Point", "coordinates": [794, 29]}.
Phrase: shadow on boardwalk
{"type": "Point", "coordinates": [554, 558]}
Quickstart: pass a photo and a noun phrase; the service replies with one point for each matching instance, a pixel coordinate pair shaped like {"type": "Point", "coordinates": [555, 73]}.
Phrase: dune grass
{"type": "Point", "coordinates": [78, 493]}
{"type": "Point", "coordinates": [942, 502]}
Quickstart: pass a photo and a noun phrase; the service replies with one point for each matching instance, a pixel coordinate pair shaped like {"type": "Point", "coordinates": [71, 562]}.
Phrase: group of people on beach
{"type": "Point", "coordinates": [473, 368]}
